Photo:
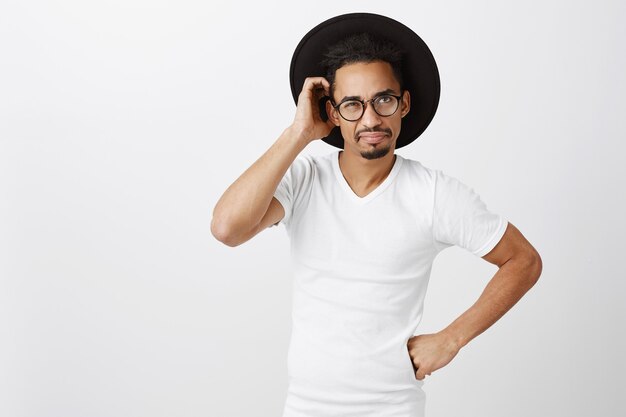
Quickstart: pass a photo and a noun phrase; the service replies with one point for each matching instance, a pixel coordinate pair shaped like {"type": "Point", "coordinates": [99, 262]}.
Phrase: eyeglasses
{"type": "Point", "coordinates": [352, 110]}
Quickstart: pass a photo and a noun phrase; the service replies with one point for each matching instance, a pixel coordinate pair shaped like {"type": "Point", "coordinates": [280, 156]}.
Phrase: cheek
{"type": "Point", "coordinates": [347, 130]}
{"type": "Point", "coordinates": [397, 124]}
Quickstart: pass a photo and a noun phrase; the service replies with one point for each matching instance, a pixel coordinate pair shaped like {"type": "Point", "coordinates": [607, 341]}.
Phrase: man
{"type": "Point", "coordinates": [366, 224]}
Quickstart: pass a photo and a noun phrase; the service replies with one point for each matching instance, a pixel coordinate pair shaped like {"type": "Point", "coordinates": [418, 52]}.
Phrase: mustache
{"type": "Point", "coordinates": [387, 131]}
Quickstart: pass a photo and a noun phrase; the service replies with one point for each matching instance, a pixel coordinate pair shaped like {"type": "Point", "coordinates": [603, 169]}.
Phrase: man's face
{"type": "Point", "coordinates": [372, 136]}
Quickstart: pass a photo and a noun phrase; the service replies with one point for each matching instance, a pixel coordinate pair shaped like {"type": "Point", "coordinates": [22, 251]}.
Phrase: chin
{"type": "Point", "coordinates": [376, 152]}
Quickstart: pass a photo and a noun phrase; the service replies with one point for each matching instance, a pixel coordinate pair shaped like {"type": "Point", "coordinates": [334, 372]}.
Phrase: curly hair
{"type": "Point", "coordinates": [362, 47]}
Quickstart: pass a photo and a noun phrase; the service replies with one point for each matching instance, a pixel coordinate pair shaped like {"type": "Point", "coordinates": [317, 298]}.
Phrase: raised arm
{"type": "Point", "coordinates": [519, 269]}
{"type": "Point", "coordinates": [238, 214]}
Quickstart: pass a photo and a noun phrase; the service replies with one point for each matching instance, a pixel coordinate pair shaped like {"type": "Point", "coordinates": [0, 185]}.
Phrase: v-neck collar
{"type": "Point", "coordinates": [343, 183]}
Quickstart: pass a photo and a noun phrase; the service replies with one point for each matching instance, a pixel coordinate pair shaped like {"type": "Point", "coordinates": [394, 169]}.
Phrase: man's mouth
{"type": "Point", "coordinates": [372, 137]}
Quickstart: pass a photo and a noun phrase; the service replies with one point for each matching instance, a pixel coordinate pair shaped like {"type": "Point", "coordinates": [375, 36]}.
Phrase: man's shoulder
{"type": "Point", "coordinates": [315, 161]}
{"type": "Point", "coordinates": [437, 177]}
{"type": "Point", "coordinates": [413, 167]}
{"type": "Point", "coordinates": [322, 157]}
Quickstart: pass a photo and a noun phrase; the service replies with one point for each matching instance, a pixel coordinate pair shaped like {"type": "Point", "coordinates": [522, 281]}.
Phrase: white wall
{"type": "Point", "coordinates": [122, 122]}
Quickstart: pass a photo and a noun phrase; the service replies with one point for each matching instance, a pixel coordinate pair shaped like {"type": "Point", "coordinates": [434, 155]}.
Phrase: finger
{"type": "Point", "coordinates": [416, 370]}
{"type": "Point", "coordinates": [421, 374]}
{"type": "Point", "coordinates": [317, 80]}
{"type": "Point", "coordinates": [316, 83]}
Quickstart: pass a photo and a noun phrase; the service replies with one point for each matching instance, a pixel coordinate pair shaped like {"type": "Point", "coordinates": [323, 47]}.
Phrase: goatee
{"type": "Point", "coordinates": [377, 152]}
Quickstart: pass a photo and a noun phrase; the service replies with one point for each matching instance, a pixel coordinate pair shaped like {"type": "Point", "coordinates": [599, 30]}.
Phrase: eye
{"type": "Point", "coordinates": [351, 104]}
{"type": "Point", "coordinates": [384, 99]}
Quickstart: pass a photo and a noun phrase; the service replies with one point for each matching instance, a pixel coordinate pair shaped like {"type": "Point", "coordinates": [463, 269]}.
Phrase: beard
{"type": "Point", "coordinates": [376, 152]}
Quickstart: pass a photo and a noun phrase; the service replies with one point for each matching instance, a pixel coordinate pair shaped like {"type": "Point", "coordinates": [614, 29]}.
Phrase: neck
{"type": "Point", "coordinates": [363, 174]}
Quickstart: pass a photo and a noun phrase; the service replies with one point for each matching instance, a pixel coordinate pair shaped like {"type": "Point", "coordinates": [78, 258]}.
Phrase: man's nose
{"type": "Point", "coordinates": [370, 117]}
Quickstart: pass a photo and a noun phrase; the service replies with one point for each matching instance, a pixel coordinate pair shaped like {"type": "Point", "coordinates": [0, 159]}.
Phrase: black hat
{"type": "Point", "coordinates": [419, 69]}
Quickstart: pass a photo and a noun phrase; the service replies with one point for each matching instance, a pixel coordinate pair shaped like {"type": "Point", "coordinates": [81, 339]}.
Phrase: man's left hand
{"type": "Point", "coordinates": [430, 352]}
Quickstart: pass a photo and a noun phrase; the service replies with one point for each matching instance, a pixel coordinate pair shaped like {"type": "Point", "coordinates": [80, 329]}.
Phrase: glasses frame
{"type": "Point", "coordinates": [364, 104]}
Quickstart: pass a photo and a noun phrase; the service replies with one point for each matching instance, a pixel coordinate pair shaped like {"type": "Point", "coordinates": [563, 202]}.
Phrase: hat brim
{"type": "Point", "coordinates": [419, 69]}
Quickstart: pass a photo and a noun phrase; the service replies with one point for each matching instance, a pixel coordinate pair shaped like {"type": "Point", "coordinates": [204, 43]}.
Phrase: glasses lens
{"type": "Point", "coordinates": [351, 109]}
{"type": "Point", "coordinates": [386, 105]}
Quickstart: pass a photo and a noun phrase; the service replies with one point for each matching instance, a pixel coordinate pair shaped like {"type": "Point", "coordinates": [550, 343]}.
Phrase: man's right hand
{"type": "Point", "coordinates": [308, 120]}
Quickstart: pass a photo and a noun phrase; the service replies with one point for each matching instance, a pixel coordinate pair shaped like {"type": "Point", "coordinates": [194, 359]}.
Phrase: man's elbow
{"type": "Point", "coordinates": [221, 232]}
{"type": "Point", "coordinates": [534, 266]}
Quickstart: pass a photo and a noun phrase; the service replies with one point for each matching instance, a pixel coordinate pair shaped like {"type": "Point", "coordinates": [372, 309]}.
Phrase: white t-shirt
{"type": "Point", "coordinates": [361, 267]}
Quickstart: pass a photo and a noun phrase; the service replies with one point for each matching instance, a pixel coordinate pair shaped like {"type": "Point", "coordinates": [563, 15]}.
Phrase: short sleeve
{"type": "Point", "coordinates": [461, 218]}
{"type": "Point", "coordinates": [294, 188]}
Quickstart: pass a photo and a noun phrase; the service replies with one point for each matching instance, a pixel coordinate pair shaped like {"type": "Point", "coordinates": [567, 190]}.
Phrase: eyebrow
{"type": "Point", "coordinates": [380, 93]}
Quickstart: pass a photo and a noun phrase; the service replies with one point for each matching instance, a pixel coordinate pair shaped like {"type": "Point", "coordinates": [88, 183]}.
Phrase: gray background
{"type": "Point", "coordinates": [122, 122]}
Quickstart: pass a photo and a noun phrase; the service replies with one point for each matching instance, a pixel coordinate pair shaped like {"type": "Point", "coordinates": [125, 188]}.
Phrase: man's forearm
{"type": "Point", "coordinates": [512, 280]}
{"type": "Point", "coordinates": [244, 203]}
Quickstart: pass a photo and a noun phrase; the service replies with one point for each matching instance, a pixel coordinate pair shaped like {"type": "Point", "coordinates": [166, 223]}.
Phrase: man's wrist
{"type": "Point", "coordinates": [298, 134]}
{"type": "Point", "coordinates": [455, 339]}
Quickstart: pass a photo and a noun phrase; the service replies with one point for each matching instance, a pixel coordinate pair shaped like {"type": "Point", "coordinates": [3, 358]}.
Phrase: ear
{"type": "Point", "coordinates": [405, 105]}
{"type": "Point", "coordinates": [333, 115]}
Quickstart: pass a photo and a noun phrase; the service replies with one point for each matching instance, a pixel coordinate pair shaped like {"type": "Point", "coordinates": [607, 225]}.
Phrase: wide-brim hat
{"type": "Point", "coordinates": [419, 69]}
